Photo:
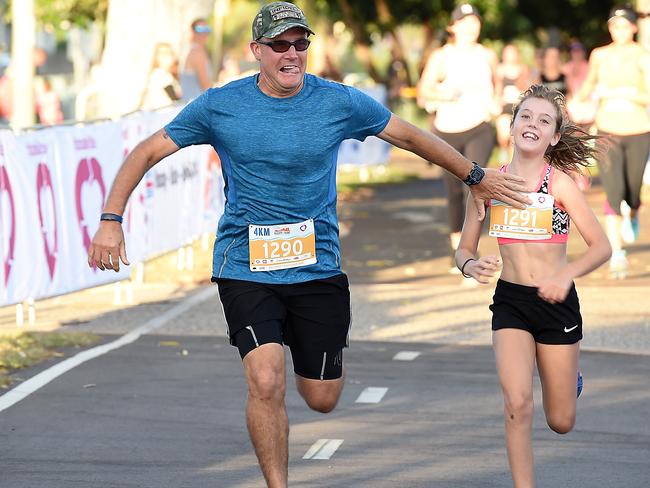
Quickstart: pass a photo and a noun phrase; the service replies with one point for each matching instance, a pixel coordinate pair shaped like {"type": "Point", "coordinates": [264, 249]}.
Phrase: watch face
{"type": "Point", "coordinates": [475, 175]}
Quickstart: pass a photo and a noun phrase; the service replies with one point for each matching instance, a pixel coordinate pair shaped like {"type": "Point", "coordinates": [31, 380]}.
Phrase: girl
{"type": "Point", "coordinates": [162, 87]}
{"type": "Point", "coordinates": [619, 76]}
{"type": "Point", "coordinates": [536, 315]}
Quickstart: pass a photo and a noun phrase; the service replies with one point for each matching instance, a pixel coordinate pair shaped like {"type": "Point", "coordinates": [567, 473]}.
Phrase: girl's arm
{"type": "Point", "coordinates": [481, 269]}
{"type": "Point", "coordinates": [567, 193]}
{"type": "Point", "coordinates": [643, 97]}
{"type": "Point", "coordinates": [431, 87]}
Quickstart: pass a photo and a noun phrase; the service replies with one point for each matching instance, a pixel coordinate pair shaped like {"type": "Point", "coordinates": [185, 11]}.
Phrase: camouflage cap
{"type": "Point", "coordinates": [275, 18]}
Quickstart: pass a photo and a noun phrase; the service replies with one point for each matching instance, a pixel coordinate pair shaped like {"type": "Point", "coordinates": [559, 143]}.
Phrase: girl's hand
{"type": "Point", "coordinates": [554, 289]}
{"type": "Point", "coordinates": [483, 269]}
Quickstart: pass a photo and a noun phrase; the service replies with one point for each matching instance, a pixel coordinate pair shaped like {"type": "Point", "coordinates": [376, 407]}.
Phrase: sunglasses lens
{"type": "Point", "coordinates": [301, 44]}
{"type": "Point", "coordinates": [280, 46]}
{"type": "Point", "coordinates": [283, 46]}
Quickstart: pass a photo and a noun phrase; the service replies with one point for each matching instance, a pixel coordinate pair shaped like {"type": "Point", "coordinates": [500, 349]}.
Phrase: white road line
{"type": "Point", "coordinates": [406, 356]}
{"type": "Point", "coordinates": [40, 380]}
{"type": "Point", "coordinates": [323, 449]}
{"type": "Point", "coordinates": [372, 394]}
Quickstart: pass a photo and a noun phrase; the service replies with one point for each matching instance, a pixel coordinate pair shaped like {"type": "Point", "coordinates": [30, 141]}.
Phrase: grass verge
{"type": "Point", "coordinates": [349, 180]}
{"type": "Point", "coordinates": [25, 349]}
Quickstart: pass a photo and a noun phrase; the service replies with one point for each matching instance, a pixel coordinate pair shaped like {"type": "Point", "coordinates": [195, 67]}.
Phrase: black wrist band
{"type": "Point", "coordinates": [111, 216]}
{"type": "Point", "coordinates": [462, 268]}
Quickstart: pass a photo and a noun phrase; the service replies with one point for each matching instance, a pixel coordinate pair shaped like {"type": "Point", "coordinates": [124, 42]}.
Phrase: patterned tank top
{"type": "Point", "coordinates": [561, 220]}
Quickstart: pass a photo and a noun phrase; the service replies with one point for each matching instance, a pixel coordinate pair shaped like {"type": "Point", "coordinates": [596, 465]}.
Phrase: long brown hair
{"type": "Point", "coordinates": [576, 146]}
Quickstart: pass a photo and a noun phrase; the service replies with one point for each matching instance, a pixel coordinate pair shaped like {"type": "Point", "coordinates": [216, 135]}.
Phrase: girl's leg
{"type": "Point", "coordinates": [514, 350]}
{"type": "Point", "coordinates": [636, 156]}
{"type": "Point", "coordinates": [612, 174]}
{"type": "Point", "coordinates": [558, 371]}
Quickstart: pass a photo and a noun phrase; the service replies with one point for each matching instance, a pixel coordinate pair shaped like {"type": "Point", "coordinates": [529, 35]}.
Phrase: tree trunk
{"type": "Point", "coordinates": [388, 22]}
{"type": "Point", "coordinates": [643, 6]}
{"type": "Point", "coordinates": [22, 63]}
{"type": "Point", "coordinates": [221, 8]}
{"type": "Point", "coordinates": [429, 46]}
{"type": "Point", "coordinates": [361, 40]}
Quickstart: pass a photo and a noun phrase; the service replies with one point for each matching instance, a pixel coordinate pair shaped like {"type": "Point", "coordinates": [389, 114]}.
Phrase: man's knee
{"type": "Point", "coordinates": [320, 395]}
{"type": "Point", "coordinates": [265, 372]}
{"type": "Point", "coordinates": [323, 404]}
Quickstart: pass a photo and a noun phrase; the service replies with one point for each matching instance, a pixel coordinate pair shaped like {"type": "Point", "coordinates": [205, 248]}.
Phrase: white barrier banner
{"type": "Point", "coordinates": [90, 158]}
{"type": "Point", "coordinates": [373, 150]}
{"type": "Point", "coordinates": [214, 198]}
{"type": "Point", "coordinates": [14, 282]}
{"type": "Point", "coordinates": [53, 185]}
{"type": "Point", "coordinates": [43, 199]}
{"type": "Point", "coordinates": [137, 233]}
{"type": "Point", "coordinates": [173, 204]}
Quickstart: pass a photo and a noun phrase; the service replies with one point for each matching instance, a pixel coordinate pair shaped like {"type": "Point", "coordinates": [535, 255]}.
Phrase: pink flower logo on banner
{"type": "Point", "coordinates": [5, 186]}
{"type": "Point", "coordinates": [44, 182]}
{"type": "Point", "coordinates": [89, 171]}
{"type": "Point", "coordinates": [211, 191]}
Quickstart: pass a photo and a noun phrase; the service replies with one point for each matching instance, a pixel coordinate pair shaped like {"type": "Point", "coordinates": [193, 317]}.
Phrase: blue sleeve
{"type": "Point", "coordinates": [191, 126]}
{"type": "Point", "coordinates": [368, 117]}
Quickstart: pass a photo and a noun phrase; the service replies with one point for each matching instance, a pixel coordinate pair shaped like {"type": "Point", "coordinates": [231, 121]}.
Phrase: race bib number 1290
{"type": "Point", "coordinates": [281, 246]}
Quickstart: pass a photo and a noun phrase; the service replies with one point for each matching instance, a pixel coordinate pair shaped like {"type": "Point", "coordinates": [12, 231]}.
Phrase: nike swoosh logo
{"type": "Point", "coordinates": [569, 330]}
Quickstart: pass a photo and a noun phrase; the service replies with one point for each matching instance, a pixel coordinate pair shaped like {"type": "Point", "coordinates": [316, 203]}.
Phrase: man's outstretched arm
{"type": "Point", "coordinates": [495, 184]}
{"type": "Point", "coordinates": [107, 246]}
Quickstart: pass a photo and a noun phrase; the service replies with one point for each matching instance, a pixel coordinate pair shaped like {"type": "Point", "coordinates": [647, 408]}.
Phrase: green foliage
{"type": "Point", "coordinates": [502, 19]}
{"type": "Point", "coordinates": [352, 179]}
{"type": "Point", "coordinates": [57, 13]}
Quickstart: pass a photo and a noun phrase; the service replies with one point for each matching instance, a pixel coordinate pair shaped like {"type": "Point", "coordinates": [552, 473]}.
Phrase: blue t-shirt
{"type": "Point", "coordinates": [278, 157]}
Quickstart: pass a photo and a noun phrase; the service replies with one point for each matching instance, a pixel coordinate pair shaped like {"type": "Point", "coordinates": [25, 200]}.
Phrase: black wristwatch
{"type": "Point", "coordinates": [475, 176]}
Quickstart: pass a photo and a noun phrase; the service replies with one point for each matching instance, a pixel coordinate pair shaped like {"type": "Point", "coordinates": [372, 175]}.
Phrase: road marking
{"type": "Point", "coordinates": [323, 449]}
{"type": "Point", "coordinates": [372, 394]}
{"type": "Point", "coordinates": [40, 380]}
{"type": "Point", "coordinates": [406, 356]}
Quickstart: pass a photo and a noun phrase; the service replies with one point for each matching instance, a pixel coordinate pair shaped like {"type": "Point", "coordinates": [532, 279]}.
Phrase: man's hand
{"type": "Point", "coordinates": [107, 247]}
{"type": "Point", "coordinates": [507, 188]}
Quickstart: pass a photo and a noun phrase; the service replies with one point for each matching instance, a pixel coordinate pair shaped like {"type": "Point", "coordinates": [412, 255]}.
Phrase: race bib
{"type": "Point", "coordinates": [281, 246]}
{"type": "Point", "coordinates": [533, 223]}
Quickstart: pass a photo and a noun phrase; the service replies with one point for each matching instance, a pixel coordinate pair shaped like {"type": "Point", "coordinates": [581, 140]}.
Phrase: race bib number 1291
{"type": "Point", "coordinates": [533, 223]}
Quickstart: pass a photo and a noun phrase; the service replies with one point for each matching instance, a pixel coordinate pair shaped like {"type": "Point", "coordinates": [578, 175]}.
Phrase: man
{"type": "Point", "coordinates": [196, 71]}
{"type": "Point", "coordinates": [276, 257]}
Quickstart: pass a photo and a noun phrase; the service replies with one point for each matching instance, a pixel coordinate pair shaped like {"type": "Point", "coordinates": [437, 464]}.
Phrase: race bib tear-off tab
{"type": "Point", "coordinates": [533, 223]}
{"type": "Point", "coordinates": [281, 246]}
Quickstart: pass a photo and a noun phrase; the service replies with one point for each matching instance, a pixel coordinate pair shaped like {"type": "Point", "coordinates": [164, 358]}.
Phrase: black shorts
{"type": "Point", "coordinates": [519, 307]}
{"type": "Point", "coordinates": [313, 318]}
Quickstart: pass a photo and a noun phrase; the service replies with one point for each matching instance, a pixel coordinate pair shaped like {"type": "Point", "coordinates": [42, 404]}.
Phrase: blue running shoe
{"type": "Point", "coordinates": [635, 226]}
{"type": "Point", "coordinates": [579, 384]}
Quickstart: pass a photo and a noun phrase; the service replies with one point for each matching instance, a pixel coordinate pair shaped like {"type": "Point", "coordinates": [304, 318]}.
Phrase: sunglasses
{"type": "Point", "coordinates": [202, 29]}
{"type": "Point", "coordinates": [283, 46]}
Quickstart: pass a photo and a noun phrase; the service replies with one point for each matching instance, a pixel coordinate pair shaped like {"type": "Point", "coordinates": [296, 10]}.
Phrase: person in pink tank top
{"type": "Point", "coordinates": [535, 311]}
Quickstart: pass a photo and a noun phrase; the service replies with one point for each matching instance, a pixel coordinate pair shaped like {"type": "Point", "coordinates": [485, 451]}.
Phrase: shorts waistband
{"type": "Point", "coordinates": [514, 290]}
